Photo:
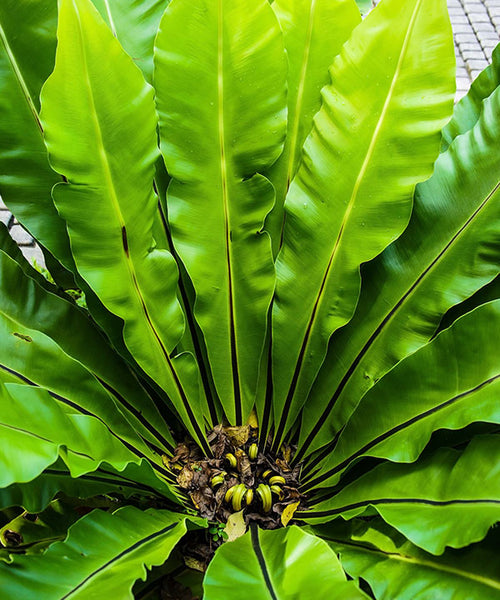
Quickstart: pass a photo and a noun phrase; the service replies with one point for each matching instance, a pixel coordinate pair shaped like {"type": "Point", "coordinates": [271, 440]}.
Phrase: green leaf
{"type": "Point", "coordinates": [89, 373]}
{"type": "Point", "coordinates": [114, 251]}
{"type": "Point", "coordinates": [135, 24]}
{"type": "Point", "coordinates": [36, 431]}
{"type": "Point", "coordinates": [487, 293]}
{"type": "Point", "coordinates": [450, 498]}
{"type": "Point", "coordinates": [224, 63]}
{"type": "Point", "coordinates": [468, 110]}
{"type": "Point", "coordinates": [36, 494]}
{"type": "Point", "coordinates": [36, 532]}
{"type": "Point", "coordinates": [117, 549]}
{"type": "Point", "coordinates": [26, 178]}
{"type": "Point", "coordinates": [314, 33]}
{"type": "Point", "coordinates": [449, 250]}
{"type": "Point", "coordinates": [395, 568]}
{"type": "Point", "coordinates": [276, 565]}
{"type": "Point", "coordinates": [396, 418]}
{"type": "Point", "coordinates": [372, 141]}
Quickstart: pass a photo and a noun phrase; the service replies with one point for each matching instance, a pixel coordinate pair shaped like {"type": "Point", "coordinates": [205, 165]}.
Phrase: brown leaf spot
{"type": "Point", "coordinates": [23, 337]}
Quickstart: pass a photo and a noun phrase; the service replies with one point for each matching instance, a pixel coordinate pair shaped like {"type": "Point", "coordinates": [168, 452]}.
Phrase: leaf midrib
{"type": "Point", "coordinates": [37, 436]}
{"type": "Point", "coordinates": [116, 480]}
{"type": "Point", "coordinates": [257, 548]}
{"type": "Point", "coordinates": [227, 220]}
{"type": "Point", "coordinates": [313, 514]}
{"type": "Point", "coordinates": [433, 264]}
{"type": "Point", "coordinates": [122, 401]}
{"type": "Point", "coordinates": [20, 79]}
{"type": "Point", "coordinates": [110, 18]}
{"type": "Point", "coordinates": [300, 95]}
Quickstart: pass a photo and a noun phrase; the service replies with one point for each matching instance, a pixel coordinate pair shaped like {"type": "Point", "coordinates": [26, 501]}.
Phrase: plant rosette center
{"type": "Point", "coordinates": [239, 476]}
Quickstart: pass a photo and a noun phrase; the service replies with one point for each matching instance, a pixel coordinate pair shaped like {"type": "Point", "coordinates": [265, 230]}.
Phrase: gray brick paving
{"type": "Point", "coordinates": [476, 29]}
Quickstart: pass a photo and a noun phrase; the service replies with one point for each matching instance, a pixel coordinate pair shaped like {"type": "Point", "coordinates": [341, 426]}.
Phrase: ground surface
{"type": "Point", "coordinates": [476, 28]}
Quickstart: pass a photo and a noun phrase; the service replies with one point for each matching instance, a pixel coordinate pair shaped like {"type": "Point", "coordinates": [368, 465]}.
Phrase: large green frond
{"type": "Point", "coordinates": [117, 547]}
{"type": "Point", "coordinates": [220, 71]}
{"type": "Point", "coordinates": [449, 250]}
{"type": "Point", "coordinates": [442, 385]}
{"type": "Point", "coordinates": [372, 141]}
{"type": "Point", "coordinates": [395, 568]}
{"type": "Point", "coordinates": [450, 498]}
{"type": "Point", "coordinates": [107, 149]}
{"type": "Point", "coordinates": [276, 565]}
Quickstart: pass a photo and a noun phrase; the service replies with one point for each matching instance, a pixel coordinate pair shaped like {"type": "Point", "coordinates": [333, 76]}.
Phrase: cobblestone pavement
{"type": "Point", "coordinates": [476, 28]}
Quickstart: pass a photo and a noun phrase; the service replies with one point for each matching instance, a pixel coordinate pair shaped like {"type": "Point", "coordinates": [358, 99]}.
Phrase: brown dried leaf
{"type": "Point", "coordinates": [204, 501]}
{"type": "Point", "coordinates": [185, 477]}
{"type": "Point", "coordinates": [283, 465]}
{"type": "Point", "coordinates": [243, 462]}
{"type": "Point", "coordinates": [182, 453]}
{"type": "Point", "coordinates": [287, 452]}
{"type": "Point", "coordinates": [238, 435]}
{"type": "Point", "coordinates": [218, 441]}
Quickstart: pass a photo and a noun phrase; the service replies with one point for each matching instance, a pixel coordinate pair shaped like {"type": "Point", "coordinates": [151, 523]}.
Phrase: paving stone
{"type": "Point", "coordinates": [463, 28]}
{"type": "Point", "coordinates": [20, 236]}
{"type": "Point", "coordinates": [482, 17]}
{"type": "Point", "coordinates": [476, 65]}
{"type": "Point", "coordinates": [473, 54]}
{"type": "Point", "coordinates": [468, 38]}
{"type": "Point", "coordinates": [474, 8]}
{"type": "Point", "coordinates": [484, 28]}
{"type": "Point", "coordinates": [33, 253]}
{"type": "Point", "coordinates": [463, 84]}
{"type": "Point", "coordinates": [488, 35]}
{"type": "Point", "coordinates": [487, 47]}
{"type": "Point", "coordinates": [474, 12]}
{"type": "Point", "coordinates": [5, 216]}
{"type": "Point", "coordinates": [468, 46]}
